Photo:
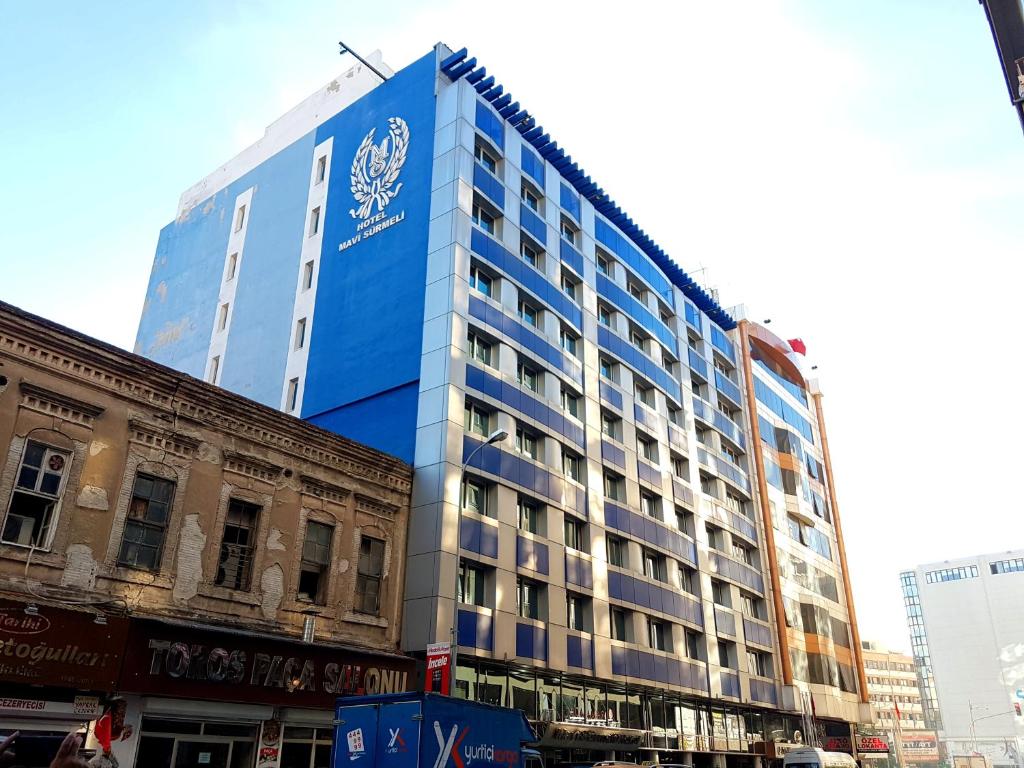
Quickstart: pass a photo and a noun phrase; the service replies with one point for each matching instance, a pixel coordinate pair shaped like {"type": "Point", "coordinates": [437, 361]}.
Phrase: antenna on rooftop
{"type": "Point", "coordinates": [345, 49]}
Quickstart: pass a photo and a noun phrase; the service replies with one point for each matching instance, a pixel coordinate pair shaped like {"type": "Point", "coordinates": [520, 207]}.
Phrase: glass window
{"type": "Point", "coordinates": [603, 266]}
{"type": "Point", "coordinates": [530, 254]}
{"type": "Point", "coordinates": [570, 707]}
{"type": "Point", "coordinates": [530, 199]}
{"type": "Point", "coordinates": [549, 692]}
{"type": "Point", "coordinates": [654, 565]}
{"type": "Point", "coordinates": [692, 645]}
{"type": "Point", "coordinates": [491, 686]}
{"type": "Point", "coordinates": [651, 505]}
{"type": "Point", "coordinates": [721, 593]}
{"type": "Point", "coordinates": [526, 443]}
{"type": "Point", "coordinates": [368, 576]}
{"type": "Point", "coordinates": [576, 612]}
{"type": "Point", "coordinates": [483, 219]}
{"type": "Point", "coordinates": [37, 491]}
{"type": "Point", "coordinates": [476, 419]}
{"type": "Point", "coordinates": [144, 530]}
{"type": "Point", "coordinates": [687, 579]}
{"type": "Point", "coordinates": [568, 341]}
{"type": "Point", "coordinates": [610, 425]}
{"type": "Point", "coordinates": [684, 522]}
{"type": "Point", "coordinates": [481, 281]}
{"type": "Point", "coordinates": [569, 232]}
{"type": "Point", "coordinates": [529, 515]}
{"type": "Point", "coordinates": [523, 689]}
{"type": "Point", "coordinates": [570, 403]}
{"type": "Point", "coordinates": [571, 465]}
{"type": "Point", "coordinates": [607, 369]}
{"type": "Point", "coordinates": [238, 546]}
{"type": "Point", "coordinates": [648, 449]}
{"type": "Point", "coordinates": [645, 395]}
{"type": "Point", "coordinates": [479, 349]}
{"type": "Point", "coordinates": [527, 598]}
{"type": "Point", "coordinates": [528, 314]}
{"type": "Point", "coordinates": [616, 550]}
{"type": "Point", "coordinates": [619, 625]}
{"type": "Point", "coordinates": [474, 496]}
{"type": "Point", "coordinates": [316, 563]}
{"type": "Point", "coordinates": [724, 655]}
{"type": "Point", "coordinates": [604, 315]}
{"type": "Point", "coordinates": [528, 377]}
{"type": "Point", "coordinates": [614, 487]}
{"type": "Point", "coordinates": [471, 583]}
{"type": "Point", "coordinates": [657, 635]}
{"type": "Point", "coordinates": [574, 533]}
{"type": "Point", "coordinates": [485, 158]}
{"type": "Point", "coordinates": [569, 287]}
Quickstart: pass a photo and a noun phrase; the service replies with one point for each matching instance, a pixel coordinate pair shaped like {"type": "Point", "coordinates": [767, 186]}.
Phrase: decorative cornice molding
{"type": "Point", "coordinates": [153, 436]}
{"type": "Point", "coordinates": [58, 404]}
{"type": "Point", "coordinates": [314, 486]}
{"type": "Point", "coordinates": [375, 507]}
{"type": "Point", "coordinates": [251, 466]}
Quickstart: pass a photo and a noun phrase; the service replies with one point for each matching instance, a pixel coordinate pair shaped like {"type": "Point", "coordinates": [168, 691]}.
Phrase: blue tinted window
{"type": "Point", "coordinates": [490, 124]}
{"type": "Point", "coordinates": [570, 201]}
{"type": "Point", "coordinates": [633, 258]}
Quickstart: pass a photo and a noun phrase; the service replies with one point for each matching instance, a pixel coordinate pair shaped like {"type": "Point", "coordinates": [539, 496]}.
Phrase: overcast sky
{"type": "Point", "coordinates": [844, 169]}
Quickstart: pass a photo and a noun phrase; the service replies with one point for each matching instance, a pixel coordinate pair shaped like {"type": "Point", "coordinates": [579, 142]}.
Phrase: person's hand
{"type": "Point", "coordinates": [7, 750]}
{"type": "Point", "coordinates": [67, 755]}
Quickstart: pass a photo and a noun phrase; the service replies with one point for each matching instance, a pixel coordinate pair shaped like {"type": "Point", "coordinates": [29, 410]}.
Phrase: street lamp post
{"type": "Point", "coordinates": [495, 437]}
{"type": "Point", "coordinates": [974, 733]}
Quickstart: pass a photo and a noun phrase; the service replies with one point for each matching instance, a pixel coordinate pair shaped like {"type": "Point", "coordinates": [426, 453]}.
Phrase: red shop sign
{"type": "Point", "coordinates": [60, 647]}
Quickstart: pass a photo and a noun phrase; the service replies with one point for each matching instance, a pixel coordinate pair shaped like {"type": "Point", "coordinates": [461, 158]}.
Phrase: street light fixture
{"type": "Point", "coordinates": [496, 436]}
{"type": "Point", "coordinates": [982, 708]}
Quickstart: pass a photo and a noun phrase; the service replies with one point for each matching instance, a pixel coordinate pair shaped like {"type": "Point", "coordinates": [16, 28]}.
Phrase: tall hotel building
{"type": "Point", "coordinates": [651, 561]}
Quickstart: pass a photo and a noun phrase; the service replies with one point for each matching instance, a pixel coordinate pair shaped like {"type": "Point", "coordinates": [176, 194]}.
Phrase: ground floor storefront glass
{"type": "Point", "coordinates": [581, 719]}
{"type": "Point", "coordinates": [167, 743]}
{"type": "Point", "coordinates": [306, 747]}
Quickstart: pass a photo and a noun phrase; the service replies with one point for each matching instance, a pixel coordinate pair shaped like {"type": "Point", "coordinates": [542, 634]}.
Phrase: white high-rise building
{"type": "Point", "coordinates": [966, 621]}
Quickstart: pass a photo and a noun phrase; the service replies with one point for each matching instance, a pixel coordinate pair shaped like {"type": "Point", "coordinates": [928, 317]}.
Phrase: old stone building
{"type": "Point", "coordinates": [215, 570]}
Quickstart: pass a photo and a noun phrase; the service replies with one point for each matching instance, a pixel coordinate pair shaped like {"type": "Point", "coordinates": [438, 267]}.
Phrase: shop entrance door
{"type": "Point", "coordinates": [201, 754]}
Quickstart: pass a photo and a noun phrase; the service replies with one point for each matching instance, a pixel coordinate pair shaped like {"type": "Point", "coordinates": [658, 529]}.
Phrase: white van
{"type": "Point", "coordinates": [810, 757]}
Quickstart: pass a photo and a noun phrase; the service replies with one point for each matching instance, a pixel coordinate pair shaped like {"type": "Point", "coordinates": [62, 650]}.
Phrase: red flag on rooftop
{"type": "Point", "coordinates": [798, 346]}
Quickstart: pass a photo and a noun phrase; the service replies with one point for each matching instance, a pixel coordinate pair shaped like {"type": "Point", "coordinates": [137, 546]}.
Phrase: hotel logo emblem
{"type": "Point", "coordinates": [375, 169]}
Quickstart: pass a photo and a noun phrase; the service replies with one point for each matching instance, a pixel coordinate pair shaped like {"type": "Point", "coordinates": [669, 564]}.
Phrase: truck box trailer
{"type": "Point", "coordinates": [428, 730]}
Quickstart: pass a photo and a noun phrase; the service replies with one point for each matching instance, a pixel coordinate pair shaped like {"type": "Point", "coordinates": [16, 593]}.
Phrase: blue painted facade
{"type": "Point", "coordinates": [364, 355]}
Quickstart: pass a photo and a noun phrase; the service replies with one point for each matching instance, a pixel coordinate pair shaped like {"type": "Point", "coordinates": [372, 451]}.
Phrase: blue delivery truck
{"type": "Point", "coordinates": [428, 730]}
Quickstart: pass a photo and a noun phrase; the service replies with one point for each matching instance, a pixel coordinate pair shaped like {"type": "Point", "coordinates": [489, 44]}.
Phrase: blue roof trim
{"type": "Point", "coordinates": [459, 65]}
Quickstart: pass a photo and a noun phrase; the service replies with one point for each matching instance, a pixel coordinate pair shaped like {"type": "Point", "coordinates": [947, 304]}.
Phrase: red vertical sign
{"type": "Point", "coordinates": [439, 657]}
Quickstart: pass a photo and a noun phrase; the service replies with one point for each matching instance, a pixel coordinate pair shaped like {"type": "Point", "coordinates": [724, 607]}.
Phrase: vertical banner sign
{"type": "Point", "coordinates": [439, 656]}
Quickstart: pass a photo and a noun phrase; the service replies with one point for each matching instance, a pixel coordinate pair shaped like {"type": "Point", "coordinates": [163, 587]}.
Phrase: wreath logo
{"type": "Point", "coordinates": [375, 169]}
